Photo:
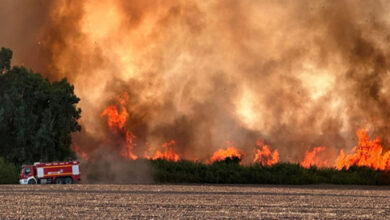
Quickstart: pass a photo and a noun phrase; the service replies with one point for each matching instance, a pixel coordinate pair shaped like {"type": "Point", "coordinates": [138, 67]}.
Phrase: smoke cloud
{"type": "Point", "coordinates": [295, 74]}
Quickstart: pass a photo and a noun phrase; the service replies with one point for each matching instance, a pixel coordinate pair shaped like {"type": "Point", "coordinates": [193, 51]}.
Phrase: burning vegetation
{"type": "Point", "coordinates": [265, 156]}
{"type": "Point", "coordinates": [166, 152]}
{"type": "Point", "coordinates": [222, 154]}
{"type": "Point", "coordinates": [311, 158]}
{"type": "Point", "coordinates": [175, 80]}
{"type": "Point", "coordinates": [368, 153]}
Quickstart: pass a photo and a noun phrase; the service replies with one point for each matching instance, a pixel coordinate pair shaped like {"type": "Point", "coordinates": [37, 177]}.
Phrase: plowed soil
{"type": "Point", "coordinates": [192, 201]}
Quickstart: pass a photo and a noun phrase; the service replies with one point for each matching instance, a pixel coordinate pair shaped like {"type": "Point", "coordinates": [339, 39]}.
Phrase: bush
{"type": "Point", "coordinates": [230, 171]}
{"type": "Point", "coordinates": [9, 173]}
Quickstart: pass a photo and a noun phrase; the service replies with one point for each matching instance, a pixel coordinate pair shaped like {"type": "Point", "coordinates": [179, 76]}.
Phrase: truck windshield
{"type": "Point", "coordinates": [27, 170]}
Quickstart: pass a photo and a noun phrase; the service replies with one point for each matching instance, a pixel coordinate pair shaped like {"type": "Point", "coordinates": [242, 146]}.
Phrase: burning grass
{"type": "Point", "coordinates": [367, 153]}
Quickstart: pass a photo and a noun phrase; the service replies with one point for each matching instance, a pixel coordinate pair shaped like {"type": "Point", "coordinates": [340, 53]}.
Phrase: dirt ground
{"type": "Point", "coordinates": [192, 201]}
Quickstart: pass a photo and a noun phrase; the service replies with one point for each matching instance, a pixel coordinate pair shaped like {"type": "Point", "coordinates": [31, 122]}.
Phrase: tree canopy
{"type": "Point", "coordinates": [37, 116]}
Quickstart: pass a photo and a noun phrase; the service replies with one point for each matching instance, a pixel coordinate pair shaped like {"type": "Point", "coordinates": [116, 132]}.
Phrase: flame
{"type": "Point", "coordinates": [116, 122]}
{"type": "Point", "coordinates": [167, 152]}
{"type": "Point", "coordinates": [367, 153]}
{"type": "Point", "coordinates": [171, 56]}
{"type": "Point", "coordinates": [127, 151]}
{"type": "Point", "coordinates": [264, 155]}
{"type": "Point", "coordinates": [311, 158]}
{"type": "Point", "coordinates": [222, 154]}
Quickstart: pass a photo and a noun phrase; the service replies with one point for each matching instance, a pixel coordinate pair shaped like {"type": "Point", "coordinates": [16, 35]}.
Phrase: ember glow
{"type": "Point", "coordinates": [264, 155]}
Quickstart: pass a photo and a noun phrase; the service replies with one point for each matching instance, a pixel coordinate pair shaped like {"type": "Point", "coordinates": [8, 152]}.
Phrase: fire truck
{"type": "Point", "coordinates": [46, 173]}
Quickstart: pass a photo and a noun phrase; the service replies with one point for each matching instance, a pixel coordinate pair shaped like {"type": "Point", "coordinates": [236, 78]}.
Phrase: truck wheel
{"type": "Point", "coordinates": [59, 181]}
{"type": "Point", "coordinates": [32, 181]}
{"type": "Point", "coordinates": [68, 180]}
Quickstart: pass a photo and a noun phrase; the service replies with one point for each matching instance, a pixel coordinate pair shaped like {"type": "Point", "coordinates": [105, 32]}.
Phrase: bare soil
{"type": "Point", "coordinates": [193, 201]}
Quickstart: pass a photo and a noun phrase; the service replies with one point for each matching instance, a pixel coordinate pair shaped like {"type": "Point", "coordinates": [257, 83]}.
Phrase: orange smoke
{"type": "Point", "coordinates": [222, 154]}
{"type": "Point", "coordinates": [171, 56]}
{"type": "Point", "coordinates": [367, 153]}
{"type": "Point", "coordinates": [311, 158]}
{"type": "Point", "coordinates": [80, 154]}
{"type": "Point", "coordinates": [264, 155]}
{"type": "Point", "coordinates": [116, 122]}
{"type": "Point", "coordinates": [167, 152]}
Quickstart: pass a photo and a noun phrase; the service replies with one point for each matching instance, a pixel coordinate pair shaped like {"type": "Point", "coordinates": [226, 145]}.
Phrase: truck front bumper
{"type": "Point", "coordinates": [23, 181]}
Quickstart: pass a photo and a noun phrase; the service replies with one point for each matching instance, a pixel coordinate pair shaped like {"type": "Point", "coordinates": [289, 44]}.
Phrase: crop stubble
{"type": "Point", "coordinates": [192, 201]}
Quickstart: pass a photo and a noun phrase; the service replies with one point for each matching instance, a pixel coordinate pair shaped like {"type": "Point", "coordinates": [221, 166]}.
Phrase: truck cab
{"type": "Point", "coordinates": [27, 175]}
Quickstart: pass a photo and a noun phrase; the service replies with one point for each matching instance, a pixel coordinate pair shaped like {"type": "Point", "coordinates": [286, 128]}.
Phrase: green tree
{"type": "Point", "coordinates": [5, 59]}
{"type": "Point", "coordinates": [37, 117]}
{"type": "Point", "coordinates": [9, 173]}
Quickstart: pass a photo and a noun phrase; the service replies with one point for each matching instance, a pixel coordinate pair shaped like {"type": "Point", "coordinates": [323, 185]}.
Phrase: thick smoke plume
{"type": "Point", "coordinates": [294, 74]}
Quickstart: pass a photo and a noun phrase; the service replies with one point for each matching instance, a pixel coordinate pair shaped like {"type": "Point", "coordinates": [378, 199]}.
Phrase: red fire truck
{"type": "Point", "coordinates": [45, 173]}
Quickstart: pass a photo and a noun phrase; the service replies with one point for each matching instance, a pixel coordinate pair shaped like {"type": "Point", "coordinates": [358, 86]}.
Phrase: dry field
{"type": "Point", "coordinates": [192, 201]}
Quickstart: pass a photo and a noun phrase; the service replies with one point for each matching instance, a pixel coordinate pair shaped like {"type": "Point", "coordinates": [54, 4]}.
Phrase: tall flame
{"type": "Point", "coordinates": [127, 151]}
{"type": "Point", "coordinates": [311, 158]}
{"type": "Point", "coordinates": [264, 155]}
{"type": "Point", "coordinates": [116, 122]}
{"type": "Point", "coordinates": [367, 153]}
